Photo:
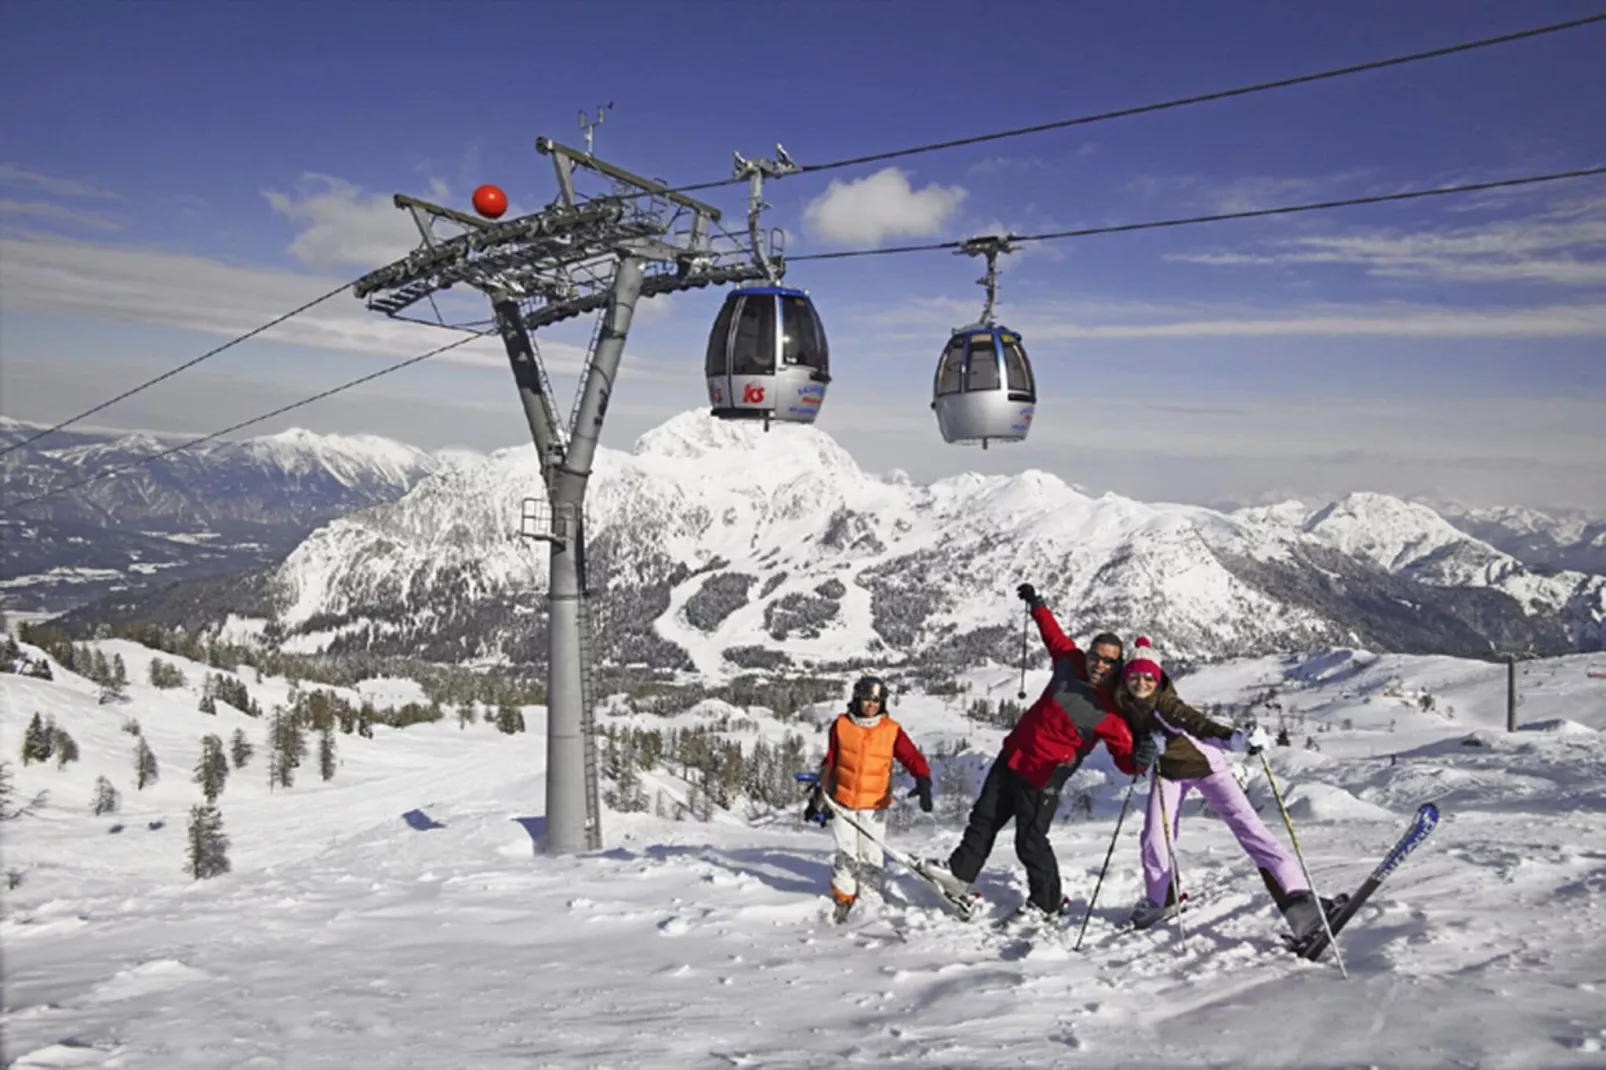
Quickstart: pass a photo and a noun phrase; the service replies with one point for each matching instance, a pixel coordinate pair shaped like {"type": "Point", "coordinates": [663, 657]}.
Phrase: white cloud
{"type": "Point", "coordinates": [135, 285]}
{"type": "Point", "coordinates": [880, 206]}
{"type": "Point", "coordinates": [49, 210]}
{"type": "Point", "coordinates": [341, 225]}
{"type": "Point", "coordinates": [11, 174]}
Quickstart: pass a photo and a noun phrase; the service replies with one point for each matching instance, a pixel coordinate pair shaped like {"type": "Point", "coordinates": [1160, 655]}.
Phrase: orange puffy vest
{"type": "Point", "coordinates": [863, 774]}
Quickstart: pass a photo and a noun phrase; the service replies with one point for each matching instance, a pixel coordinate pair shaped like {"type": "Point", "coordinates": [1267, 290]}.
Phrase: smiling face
{"type": "Point", "coordinates": [1142, 685]}
{"type": "Point", "coordinates": [1101, 662]}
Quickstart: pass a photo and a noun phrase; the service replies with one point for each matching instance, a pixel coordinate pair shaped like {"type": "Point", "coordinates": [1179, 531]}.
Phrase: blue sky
{"type": "Point", "coordinates": [183, 172]}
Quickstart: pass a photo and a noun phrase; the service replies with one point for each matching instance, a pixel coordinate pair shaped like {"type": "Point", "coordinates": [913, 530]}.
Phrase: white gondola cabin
{"type": "Point", "coordinates": [984, 389]}
{"type": "Point", "coordinates": [767, 357]}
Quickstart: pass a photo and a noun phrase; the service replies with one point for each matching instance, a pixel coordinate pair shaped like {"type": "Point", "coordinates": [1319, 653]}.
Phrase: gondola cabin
{"type": "Point", "coordinates": [984, 389]}
{"type": "Point", "coordinates": [767, 357]}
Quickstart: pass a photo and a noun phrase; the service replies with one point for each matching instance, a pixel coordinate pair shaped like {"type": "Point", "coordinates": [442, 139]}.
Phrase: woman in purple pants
{"type": "Point", "coordinates": [1194, 757]}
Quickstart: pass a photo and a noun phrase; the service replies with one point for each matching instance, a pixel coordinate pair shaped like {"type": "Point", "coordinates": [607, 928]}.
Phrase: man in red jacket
{"type": "Point", "coordinates": [1047, 745]}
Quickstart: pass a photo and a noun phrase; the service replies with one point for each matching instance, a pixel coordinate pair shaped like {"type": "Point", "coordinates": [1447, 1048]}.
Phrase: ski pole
{"type": "Point", "coordinates": [1171, 852]}
{"type": "Point", "coordinates": [1105, 868]}
{"type": "Point", "coordinates": [1024, 624]}
{"type": "Point", "coordinates": [1327, 926]}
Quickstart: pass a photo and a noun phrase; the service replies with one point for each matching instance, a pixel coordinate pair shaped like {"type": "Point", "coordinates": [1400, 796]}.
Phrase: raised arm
{"type": "Point", "coordinates": [1059, 646]}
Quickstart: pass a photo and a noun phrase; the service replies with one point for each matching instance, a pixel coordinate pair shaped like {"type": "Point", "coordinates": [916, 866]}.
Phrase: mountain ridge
{"type": "Point", "coordinates": [714, 544]}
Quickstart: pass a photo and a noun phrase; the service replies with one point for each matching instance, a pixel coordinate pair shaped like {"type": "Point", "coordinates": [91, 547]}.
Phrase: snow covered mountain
{"type": "Point", "coordinates": [715, 546]}
{"type": "Point", "coordinates": [1565, 539]}
{"type": "Point", "coordinates": [222, 506]}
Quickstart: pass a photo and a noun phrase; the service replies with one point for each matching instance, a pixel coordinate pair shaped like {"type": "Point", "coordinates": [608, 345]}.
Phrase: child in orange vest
{"type": "Point", "coordinates": [858, 774]}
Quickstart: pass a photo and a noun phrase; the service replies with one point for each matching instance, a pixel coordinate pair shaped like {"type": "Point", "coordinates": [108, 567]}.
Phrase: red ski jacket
{"type": "Point", "coordinates": [1068, 719]}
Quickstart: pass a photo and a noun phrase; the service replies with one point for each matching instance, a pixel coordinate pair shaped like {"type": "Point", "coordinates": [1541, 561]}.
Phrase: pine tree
{"type": "Point", "coordinates": [326, 752]}
{"type": "Point", "coordinates": [208, 853]}
{"type": "Point", "coordinates": [240, 749]}
{"type": "Point", "coordinates": [107, 798]}
{"type": "Point", "coordinates": [99, 670]}
{"type": "Point", "coordinates": [287, 745]}
{"type": "Point", "coordinates": [65, 746]}
{"type": "Point", "coordinates": [145, 769]}
{"type": "Point", "coordinates": [166, 675]}
{"type": "Point", "coordinates": [212, 768]}
{"type": "Point", "coordinates": [36, 742]}
{"type": "Point", "coordinates": [209, 705]}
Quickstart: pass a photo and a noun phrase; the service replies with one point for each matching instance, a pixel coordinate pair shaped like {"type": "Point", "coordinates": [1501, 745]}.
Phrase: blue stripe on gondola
{"type": "Point", "coordinates": [776, 291]}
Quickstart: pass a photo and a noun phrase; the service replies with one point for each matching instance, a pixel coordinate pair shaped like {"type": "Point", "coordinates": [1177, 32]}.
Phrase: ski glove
{"type": "Point", "coordinates": [1252, 742]}
{"type": "Point", "coordinates": [1144, 751]}
{"type": "Point", "coordinates": [1028, 594]}
{"type": "Point", "coordinates": [922, 789]}
{"type": "Point", "coordinates": [816, 811]}
{"type": "Point", "coordinates": [1057, 779]}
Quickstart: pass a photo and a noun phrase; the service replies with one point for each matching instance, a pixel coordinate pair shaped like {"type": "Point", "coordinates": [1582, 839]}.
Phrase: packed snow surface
{"type": "Point", "coordinates": [403, 915]}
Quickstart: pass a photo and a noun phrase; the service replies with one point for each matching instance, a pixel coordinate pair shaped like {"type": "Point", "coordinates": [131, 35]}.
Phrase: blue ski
{"type": "Point", "coordinates": [1422, 826]}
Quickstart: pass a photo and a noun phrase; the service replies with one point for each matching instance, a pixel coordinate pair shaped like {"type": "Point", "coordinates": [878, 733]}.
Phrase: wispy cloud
{"type": "Point", "coordinates": [998, 165]}
{"type": "Point", "coordinates": [136, 285]}
{"type": "Point", "coordinates": [1564, 245]}
{"type": "Point", "coordinates": [12, 175]}
{"type": "Point", "coordinates": [1251, 192]}
{"type": "Point", "coordinates": [884, 205]}
{"type": "Point", "coordinates": [341, 225]}
{"type": "Point", "coordinates": [53, 211]}
{"type": "Point", "coordinates": [918, 319]}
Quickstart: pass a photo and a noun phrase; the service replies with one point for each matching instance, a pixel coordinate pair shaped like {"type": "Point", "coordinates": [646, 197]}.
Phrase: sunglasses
{"type": "Point", "coordinates": [1100, 659]}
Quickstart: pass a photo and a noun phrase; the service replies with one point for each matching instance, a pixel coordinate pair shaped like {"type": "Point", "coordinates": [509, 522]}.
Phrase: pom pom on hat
{"type": "Point", "coordinates": [1144, 661]}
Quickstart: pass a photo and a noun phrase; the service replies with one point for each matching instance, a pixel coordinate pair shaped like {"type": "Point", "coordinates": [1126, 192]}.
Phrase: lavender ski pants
{"type": "Point", "coordinates": [1228, 800]}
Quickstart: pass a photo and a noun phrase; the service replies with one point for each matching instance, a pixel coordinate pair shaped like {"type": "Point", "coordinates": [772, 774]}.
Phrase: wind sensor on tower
{"type": "Point", "coordinates": [578, 254]}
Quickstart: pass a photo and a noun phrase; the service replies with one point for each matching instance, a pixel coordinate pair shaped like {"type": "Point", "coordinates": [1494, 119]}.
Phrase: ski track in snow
{"type": "Point", "coordinates": [349, 936]}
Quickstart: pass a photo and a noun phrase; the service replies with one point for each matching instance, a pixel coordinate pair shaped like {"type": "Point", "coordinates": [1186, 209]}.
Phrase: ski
{"type": "Point", "coordinates": [966, 905]}
{"type": "Point", "coordinates": [1422, 826]}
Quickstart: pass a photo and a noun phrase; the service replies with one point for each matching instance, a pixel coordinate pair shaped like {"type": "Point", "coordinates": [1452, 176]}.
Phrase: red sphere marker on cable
{"type": "Point", "coordinates": [490, 201]}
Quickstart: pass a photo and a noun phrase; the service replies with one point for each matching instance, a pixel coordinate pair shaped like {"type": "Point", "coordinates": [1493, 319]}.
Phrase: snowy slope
{"type": "Point", "coordinates": [400, 915]}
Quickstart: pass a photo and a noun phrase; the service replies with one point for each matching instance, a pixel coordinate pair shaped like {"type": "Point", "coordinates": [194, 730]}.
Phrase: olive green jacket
{"type": "Point", "coordinates": [1181, 759]}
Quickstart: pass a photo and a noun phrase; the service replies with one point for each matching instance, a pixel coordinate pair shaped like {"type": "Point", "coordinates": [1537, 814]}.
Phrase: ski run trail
{"type": "Point", "coordinates": [403, 915]}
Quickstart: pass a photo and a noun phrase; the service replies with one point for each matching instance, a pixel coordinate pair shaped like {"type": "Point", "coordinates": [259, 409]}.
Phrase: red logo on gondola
{"type": "Point", "coordinates": [753, 394]}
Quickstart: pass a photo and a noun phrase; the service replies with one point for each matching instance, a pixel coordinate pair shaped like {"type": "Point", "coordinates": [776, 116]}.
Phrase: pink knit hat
{"type": "Point", "coordinates": [1143, 660]}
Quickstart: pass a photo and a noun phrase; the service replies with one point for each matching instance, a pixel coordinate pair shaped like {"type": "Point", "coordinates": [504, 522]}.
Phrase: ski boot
{"type": "Point", "coordinates": [1146, 914]}
{"type": "Point", "coordinates": [1304, 916]}
{"type": "Point", "coordinates": [938, 871]}
{"type": "Point", "coordinates": [843, 906]}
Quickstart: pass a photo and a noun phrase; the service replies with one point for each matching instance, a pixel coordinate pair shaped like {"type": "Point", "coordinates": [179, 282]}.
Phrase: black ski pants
{"type": "Point", "coordinates": [1006, 797]}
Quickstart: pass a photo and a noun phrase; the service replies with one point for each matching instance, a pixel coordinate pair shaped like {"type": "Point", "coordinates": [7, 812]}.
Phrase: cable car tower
{"type": "Point", "coordinates": [577, 255]}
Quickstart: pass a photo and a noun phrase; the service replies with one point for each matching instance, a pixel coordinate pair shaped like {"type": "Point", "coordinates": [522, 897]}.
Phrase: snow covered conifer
{"type": "Point", "coordinates": [208, 846]}
{"type": "Point", "coordinates": [36, 743]}
{"type": "Point", "coordinates": [240, 749]}
{"type": "Point", "coordinates": [106, 798]}
{"type": "Point", "coordinates": [326, 751]}
{"type": "Point", "coordinates": [212, 768]}
{"type": "Point", "coordinates": [145, 768]}
{"type": "Point", "coordinates": [65, 746]}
